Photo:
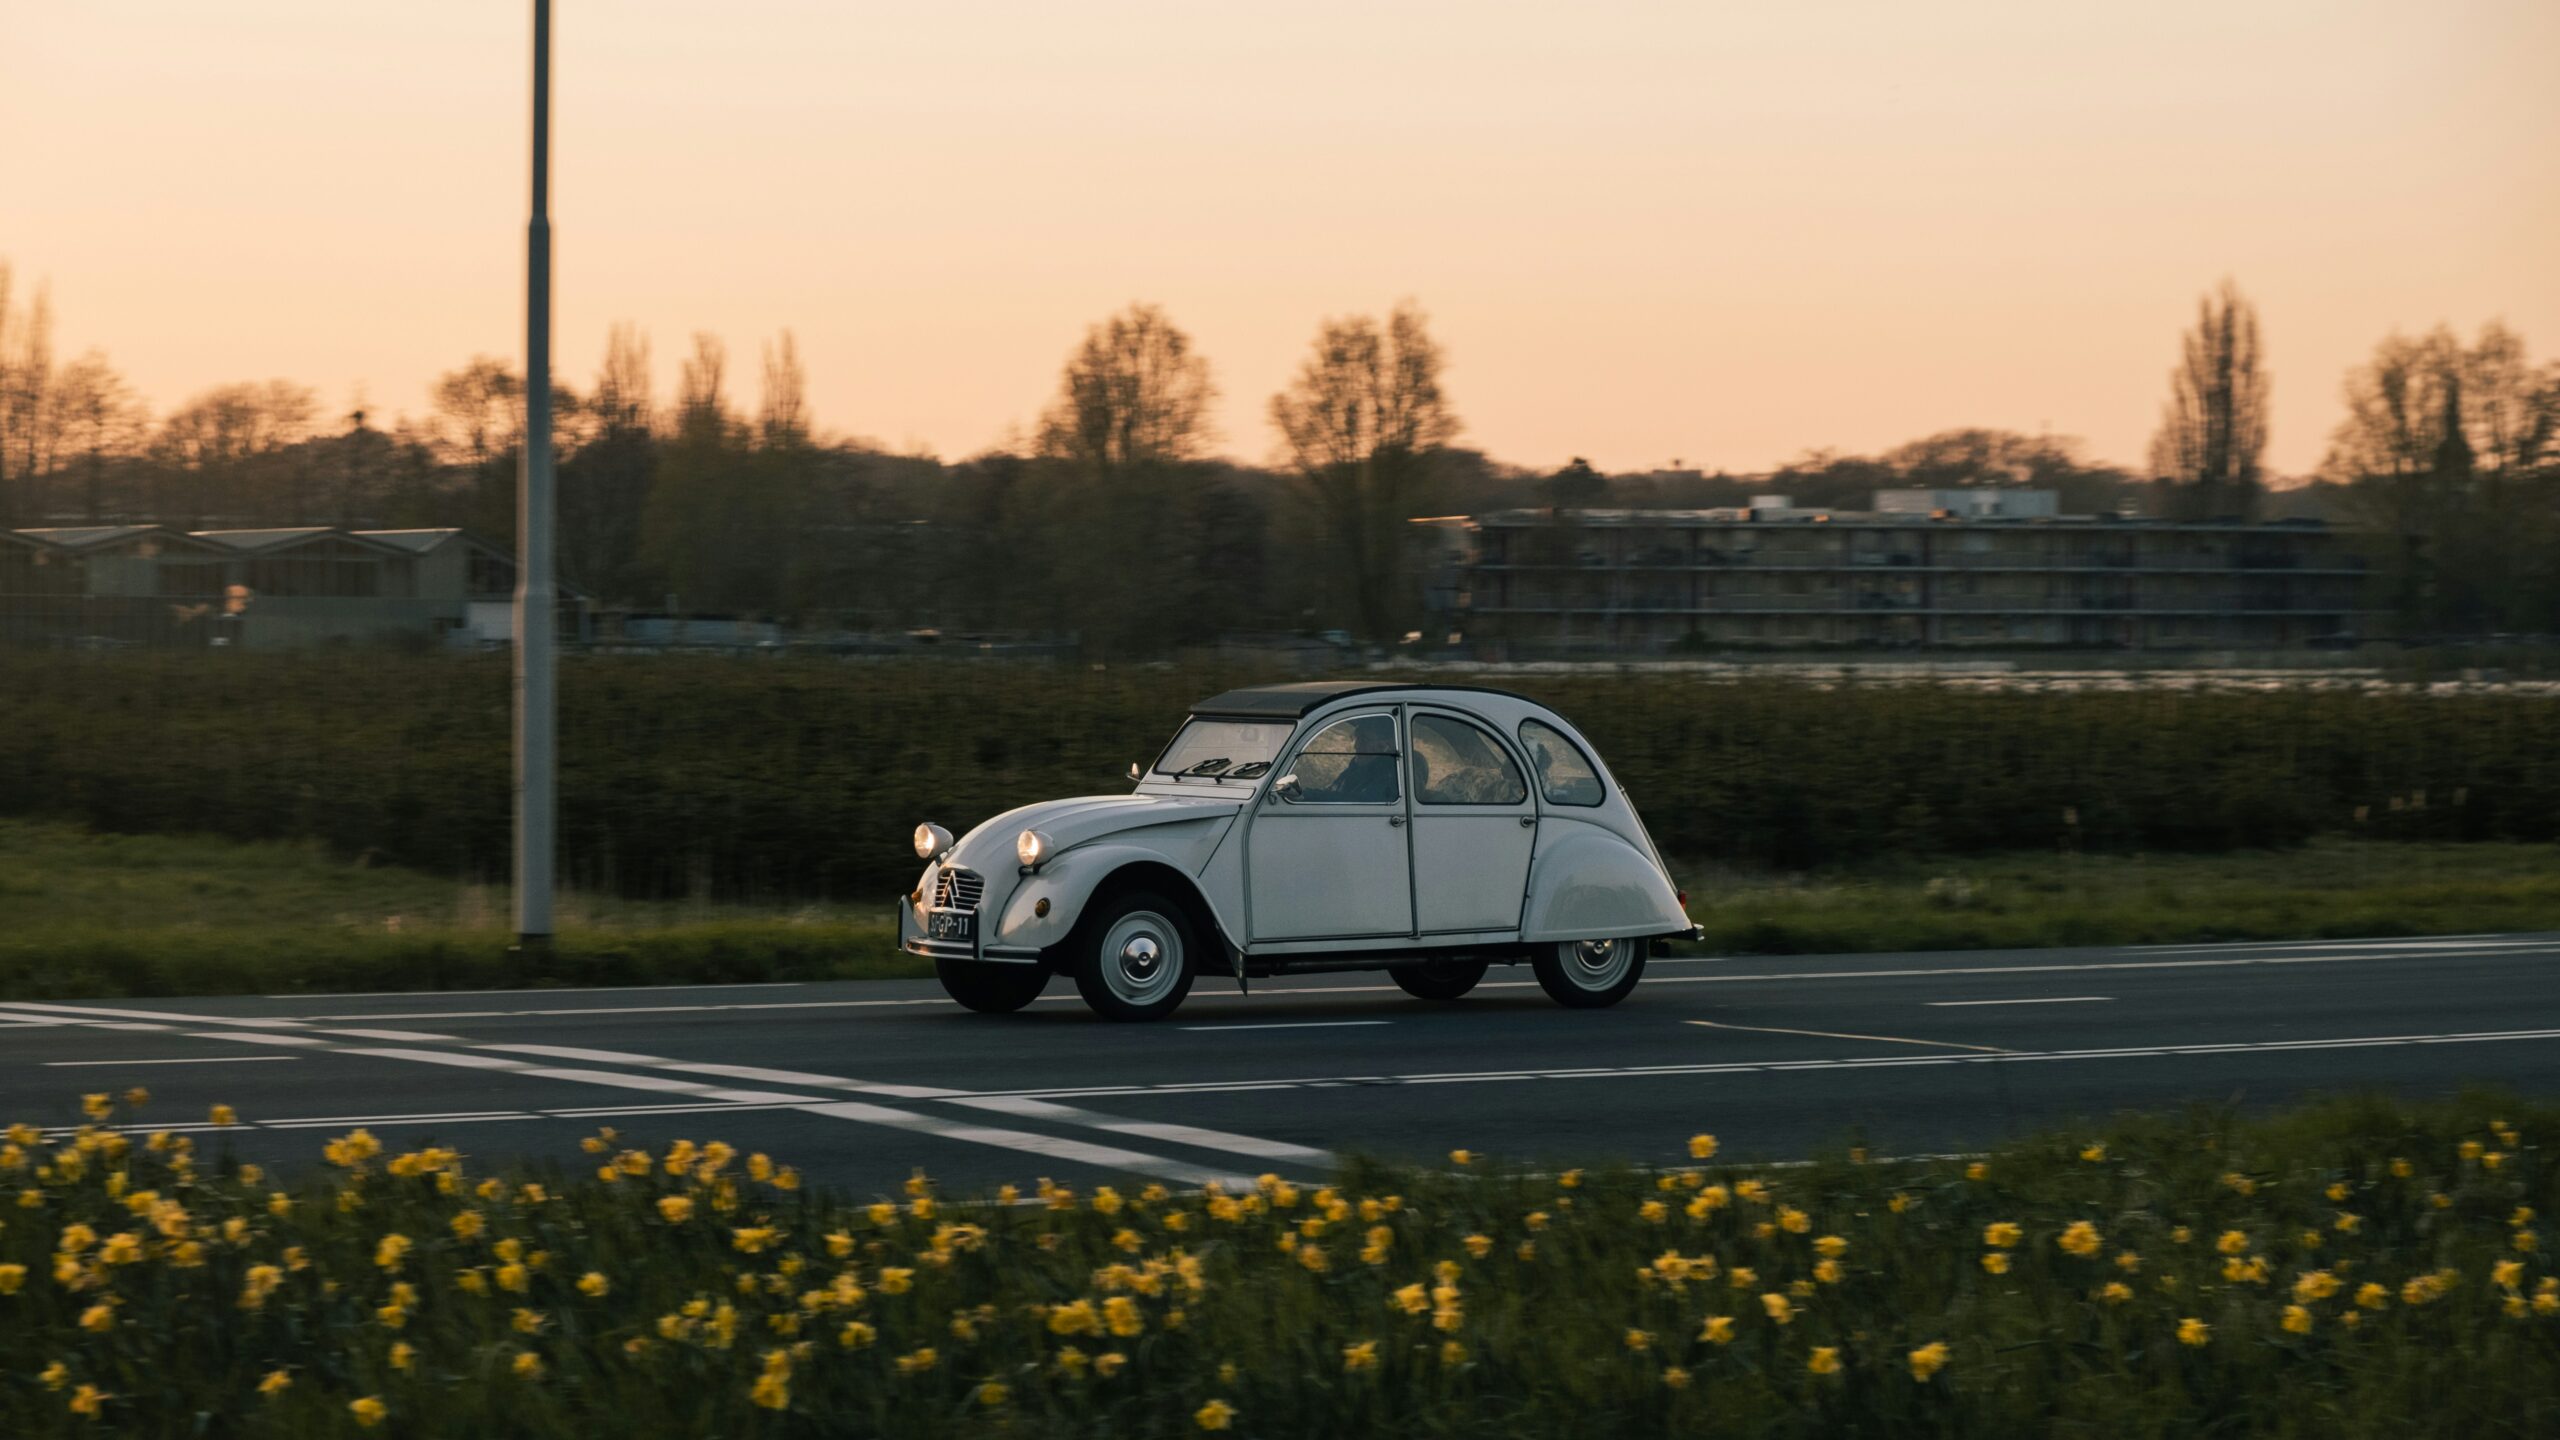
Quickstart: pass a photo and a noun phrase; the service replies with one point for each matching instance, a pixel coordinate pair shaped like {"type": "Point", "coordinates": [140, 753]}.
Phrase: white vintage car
{"type": "Point", "coordinates": [1424, 830]}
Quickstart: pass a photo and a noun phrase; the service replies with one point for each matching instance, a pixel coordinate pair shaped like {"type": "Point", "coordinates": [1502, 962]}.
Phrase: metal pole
{"type": "Point", "coordinates": [537, 605]}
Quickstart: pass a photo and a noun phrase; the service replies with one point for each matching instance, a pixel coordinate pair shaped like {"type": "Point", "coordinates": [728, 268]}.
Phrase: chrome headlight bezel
{"type": "Point", "coordinates": [931, 840]}
{"type": "Point", "coordinates": [1031, 847]}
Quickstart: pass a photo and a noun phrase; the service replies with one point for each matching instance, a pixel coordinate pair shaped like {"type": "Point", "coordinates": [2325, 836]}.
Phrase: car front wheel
{"type": "Point", "coordinates": [1136, 957]}
{"type": "Point", "coordinates": [991, 989]}
{"type": "Point", "coordinates": [1446, 978]}
{"type": "Point", "coordinates": [1589, 974]}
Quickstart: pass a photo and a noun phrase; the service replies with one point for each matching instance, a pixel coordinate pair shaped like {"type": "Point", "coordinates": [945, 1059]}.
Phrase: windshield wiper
{"type": "Point", "coordinates": [1210, 767]}
{"type": "Point", "coordinates": [1249, 770]}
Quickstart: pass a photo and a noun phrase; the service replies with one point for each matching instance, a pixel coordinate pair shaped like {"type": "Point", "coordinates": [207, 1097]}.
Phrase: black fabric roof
{"type": "Point", "coordinates": [1293, 700]}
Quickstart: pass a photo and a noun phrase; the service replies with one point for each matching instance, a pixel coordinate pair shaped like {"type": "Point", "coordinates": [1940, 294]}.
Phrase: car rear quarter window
{"type": "Point", "coordinates": [1566, 776]}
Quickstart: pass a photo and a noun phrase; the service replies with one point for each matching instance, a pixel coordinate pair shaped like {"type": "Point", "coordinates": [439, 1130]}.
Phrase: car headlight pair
{"type": "Point", "coordinates": [1030, 847]}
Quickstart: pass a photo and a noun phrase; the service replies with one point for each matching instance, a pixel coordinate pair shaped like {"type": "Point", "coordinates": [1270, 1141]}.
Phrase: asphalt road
{"type": "Point", "coordinates": [860, 1083]}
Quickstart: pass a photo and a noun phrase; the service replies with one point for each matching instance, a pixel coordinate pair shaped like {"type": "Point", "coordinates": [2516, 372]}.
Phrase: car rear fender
{"type": "Point", "coordinates": [1590, 884]}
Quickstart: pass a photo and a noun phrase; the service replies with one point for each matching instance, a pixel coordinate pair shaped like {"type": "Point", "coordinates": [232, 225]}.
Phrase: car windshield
{"type": "Point", "coordinates": [1217, 749]}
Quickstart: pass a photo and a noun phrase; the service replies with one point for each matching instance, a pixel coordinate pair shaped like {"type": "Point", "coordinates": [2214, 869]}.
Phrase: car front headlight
{"type": "Point", "coordinates": [931, 840]}
{"type": "Point", "coordinates": [1031, 847]}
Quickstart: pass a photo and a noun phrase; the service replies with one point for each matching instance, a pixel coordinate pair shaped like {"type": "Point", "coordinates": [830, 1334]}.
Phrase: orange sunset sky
{"type": "Point", "coordinates": [1726, 233]}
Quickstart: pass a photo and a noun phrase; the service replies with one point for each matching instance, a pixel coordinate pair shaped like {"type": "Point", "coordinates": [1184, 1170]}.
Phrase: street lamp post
{"type": "Point", "coordinates": [537, 607]}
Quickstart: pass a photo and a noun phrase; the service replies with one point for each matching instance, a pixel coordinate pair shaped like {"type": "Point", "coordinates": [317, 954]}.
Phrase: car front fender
{"type": "Point", "coordinates": [1068, 883]}
{"type": "Point", "coordinates": [1590, 884]}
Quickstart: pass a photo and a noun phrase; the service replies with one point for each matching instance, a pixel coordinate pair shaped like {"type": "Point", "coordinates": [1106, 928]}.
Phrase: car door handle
{"type": "Point", "coordinates": [1527, 821]}
{"type": "Point", "coordinates": [1396, 820]}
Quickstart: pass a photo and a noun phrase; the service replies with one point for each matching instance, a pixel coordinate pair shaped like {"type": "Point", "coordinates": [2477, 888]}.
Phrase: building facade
{"type": "Point", "coordinates": [122, 586]}
{"type": "Point", "coordinates": [2001, 572]}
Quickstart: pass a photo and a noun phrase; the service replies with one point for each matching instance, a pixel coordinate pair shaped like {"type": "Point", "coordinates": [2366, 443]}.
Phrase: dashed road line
{"type": "Point", "coordinates": [1840, 1035]}
{"type": "Point", "coordinates": [1292, 1025]}
{"type": "Point", "coordinates": [189, 1060]}
{"type": "Point", "coordinates": [2027, 1000]}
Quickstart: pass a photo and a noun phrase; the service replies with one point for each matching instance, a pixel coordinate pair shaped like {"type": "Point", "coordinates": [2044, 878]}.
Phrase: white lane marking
{"type": "Point", "coordinates": [1150, 1129]}
{"type": "Point", "coordinates": [392, 1035]}
{"type": "Point", "coordinates": [1845, 1035]}
{"type": "Point", "coordinates": [191, 1060]}
{"type": "Point", "coordinates": [1051, 1147]}
{"type": "Point", "coordinates": [165, 1016]}
{"type": "Point", "coordinates": [727, 1072]}
{"type": "Point", "coordinates": [1855, 1062]}
{"type": "Point", "coordinates": [481, 1117]}
{"type": "Point", "coordinates": [1292, 1025]}
{"type": "Point", "coordinates": [2029, 1000]}
{"type": "Point", "coordinates": [1109, 1157]}
{"type": "Point", "coordinates": [533, 990]}
{"type": "Point", "coordinates": [2431, 942]}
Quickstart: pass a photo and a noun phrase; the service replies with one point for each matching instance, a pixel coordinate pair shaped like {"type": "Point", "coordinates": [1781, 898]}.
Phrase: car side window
{"type": "Point", "coordinates": [1565, 775]}
{"type": "Point", "coordinates": [1350, 762]}
{"type": "Point", "coordinates": [1455, 763]}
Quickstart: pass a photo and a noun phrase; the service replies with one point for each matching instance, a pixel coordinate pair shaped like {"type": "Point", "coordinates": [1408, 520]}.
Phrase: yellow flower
{"type": "Point", "coordinates": [2192, 1331]}
{"type": "Point", "coordinates": [1793, 1221]}
{"type": "Point", "coordinates": [1899, 1203]}
{"type": "Point", "coordinates": [528, 1364]}
{"type": "Point", "coordinates": [1108, 1363]}
{"type": "Point", "coordinates": [2315, 1285]}
{"type": "Point", "coordinates": [390, 1252]}
{"type": "Point", "coordinates": [98, 1106]}
{"type": "Point", "coordinates": [1217, 1414]}
{"type": "Point", "coordinates": [2297, 1320]}
{"type": "Point", "coordinates": [1363, 1356]}
{"type": "Point", "coordinates": [2525, 1241]}
{"type": "Point", "coordinates": [2402, 1169]}
{"type": "Point", "coordinates": [1702, 1147]}
{"type": "Point", "coordinates": [1831, 1247]}
{"type": "Point", "coordinates": [2181, 1235]}
{"type": "Point", "coordinates": [2080, 1238]}
{"type": "Point", "coordinates": [2094, 1153]}
{"type": "Point", "coordinates": [1742, 1277]}
{"type": "Point", "coordinates": [527, 1322]}
{"type": "Point", "coordinates": [593, 1285]}
{"type": "Point", "coordinates": [2372, 1296]}
{"type": "Point", "coordinates": [1456, 1157]}
{"type": "Point", "coordinates": [88, 1401]}
{"type": "Point", "coordinates": [1996, 1261]}
{"type": "Point", "coordinates": [223, 1115]}
{"type": "Point", "coordinates": [98, 1318]}
{"type": "Point", "coordinates": [2468, 1150]}
{"type": "Point", "coordinates": [1653, 1212]}
{"type": "Point", "coordinates": [676, 1209]}
{"type": "Point", "coordinates": [992, 1394]}
{"type": "Point", "coordinates": [1827, 1271]}
{"type": "Point", "coordinates": [515, 1278]}
{"type": "Point", "coordinates": [1977, 1171]}
{"type": "Point", "coordinates": [1825, 1360]}
{"type": "Point", "coordinates": [1779, 1307]}
{"type": "Point", "coordinates": [1639, 1340]}
{"type": "Point", "coordinates": [1675, 1377]}
{"type": "Point", "coordinates": [2001, 1234]}
{"type": "Point", "coordinates": [12, 1277]}
{"type": "Point", "coordinates": [368, 1411]}
{"type": "Point", "coordinates": [55, 1375]}
{"type": "Point", "coordinates": [2115, 1292]}
{"type": "Point", "coordinates": [2233, 1242]}
{"type": "Point", "coordinates": [1928, 1360]}
{"type": "Point", "coordinates": [2348, 1224]}
{"type": "Point", "coordinates": [276, 1383]}
{"type": "Point", "coordinates": [1120, 1315]}
{"type": "Point", "coordinates": [771, 1391]}
{"type": "Point", "coordinates": [403, 1355]}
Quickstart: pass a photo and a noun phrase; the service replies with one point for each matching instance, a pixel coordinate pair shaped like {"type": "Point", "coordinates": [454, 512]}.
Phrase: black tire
{"type": "Point", "coordinates": [1589, 974]}
{"type": "Point", "coordinates": [1443, 978]}
{"type": "Point", "coordinates": [991, 989]}
{"type": "Point", "coordinates": [1111, 970]}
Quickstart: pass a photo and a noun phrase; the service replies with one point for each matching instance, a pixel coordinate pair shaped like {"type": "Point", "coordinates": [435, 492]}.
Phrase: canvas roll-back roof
{"type": "Point", "coordinates": [1293, 701]}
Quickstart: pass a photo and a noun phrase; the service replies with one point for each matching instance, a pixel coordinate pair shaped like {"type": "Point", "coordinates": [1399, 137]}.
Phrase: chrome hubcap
{"type": "Point", "coordinates": [1598, 964]}
{"type": "Point", "coordinates": [1141, 957]}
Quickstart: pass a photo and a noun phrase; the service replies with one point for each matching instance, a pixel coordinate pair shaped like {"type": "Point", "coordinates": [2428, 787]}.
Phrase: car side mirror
{"type": "Point", "coordinates": [1133, 771]}
{"type": "Point", "coordinates": [1286, 787]}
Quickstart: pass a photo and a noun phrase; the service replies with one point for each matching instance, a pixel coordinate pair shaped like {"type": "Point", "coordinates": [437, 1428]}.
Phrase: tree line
{"type": "Point", "coordinates": [1116, 522]}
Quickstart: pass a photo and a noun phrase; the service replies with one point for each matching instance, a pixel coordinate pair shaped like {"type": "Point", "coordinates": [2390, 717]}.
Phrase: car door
{"type": "Point", "coordinates": [1326, 858]}
{"type": "Point", "coordinates": [1475, 826]}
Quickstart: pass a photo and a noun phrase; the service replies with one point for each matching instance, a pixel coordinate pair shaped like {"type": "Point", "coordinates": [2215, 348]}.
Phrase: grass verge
{"type": "Point", "coordinates": [107, 915]}
{"type": "Point", "coordinates": [2357, 1268]}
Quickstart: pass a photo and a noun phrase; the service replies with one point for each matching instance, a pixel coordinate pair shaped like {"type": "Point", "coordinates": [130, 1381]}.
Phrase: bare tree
{"type": "Point", "coordinates": [1133, 393]}
{"type": "Point", "coordinates": [227, 447]}
{"type": "Point", "coordinates": [29, 428]}
{"type": "Point", "coordinates": [101, 421]}
{"type": "Point", "coordinates": [783, 416]}
{"type": "Point", "coordinates": [2213, 430]}
{"type": "Point", "coordinates": [1363, 424]}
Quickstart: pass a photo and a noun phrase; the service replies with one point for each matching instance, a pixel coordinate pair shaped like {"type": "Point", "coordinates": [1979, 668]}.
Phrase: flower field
{"type": "Point", "coordinates": [2357, 1268]}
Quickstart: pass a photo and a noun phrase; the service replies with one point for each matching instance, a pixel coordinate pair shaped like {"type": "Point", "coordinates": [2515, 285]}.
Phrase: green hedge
{"type": "Point", "coordinates": [781, 779]}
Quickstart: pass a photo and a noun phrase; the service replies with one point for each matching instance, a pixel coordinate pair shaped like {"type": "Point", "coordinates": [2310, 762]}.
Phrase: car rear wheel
{"type": "Point", "coordinates": [1589, 974]}
{"type": "Point", "coordinates": [991, 989]}
{"type": "Point", "coordinates": [1136, 959]}
{"type": "Point", "coordinates": [1444, 978]}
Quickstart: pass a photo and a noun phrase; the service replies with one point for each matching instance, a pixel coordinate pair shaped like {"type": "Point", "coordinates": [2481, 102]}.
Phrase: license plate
{"type": "Point", "coordinates": [951, 925]}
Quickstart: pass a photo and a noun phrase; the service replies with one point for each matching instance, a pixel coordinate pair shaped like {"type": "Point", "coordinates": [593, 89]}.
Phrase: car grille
{"type": "Point", "coordinates": [958, 889]}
